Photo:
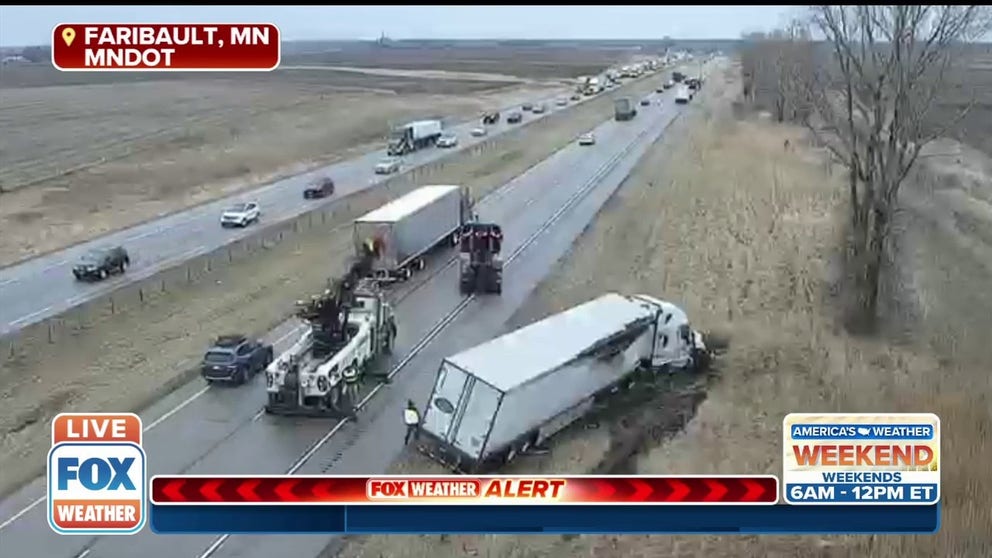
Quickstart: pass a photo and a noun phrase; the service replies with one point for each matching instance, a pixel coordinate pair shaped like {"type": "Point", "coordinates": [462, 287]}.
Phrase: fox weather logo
{"type": "Point", "coordinates": [96, 474]}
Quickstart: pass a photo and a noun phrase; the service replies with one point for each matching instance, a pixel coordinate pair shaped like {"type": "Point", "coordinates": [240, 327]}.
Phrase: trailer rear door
{"type": "Point", "coordinates": [477, 418]}
{"type": "Point", "coordinates": [440, 418]}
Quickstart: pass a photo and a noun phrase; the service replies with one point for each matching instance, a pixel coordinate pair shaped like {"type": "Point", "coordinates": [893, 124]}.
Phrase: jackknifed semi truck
{"type": "Point", "coordinates": [399, 234]}
{"type": "Point", "coordinates": [413, 136]}
{"type": "Point", "coordinates": [507, 396]}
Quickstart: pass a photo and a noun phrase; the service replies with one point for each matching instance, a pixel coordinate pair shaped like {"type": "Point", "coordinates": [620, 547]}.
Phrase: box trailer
{"type": "Point", "coordinates": [501, 398]}
{"type": "Point", "coordinates": [623, 109]}
{"type": "Point", "coordinates": [401, 232]}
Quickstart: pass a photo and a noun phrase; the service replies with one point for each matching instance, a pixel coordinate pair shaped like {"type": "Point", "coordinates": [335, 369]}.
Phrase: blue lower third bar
{"type": "Point", "coordinates": [399, 519]}
{"type": "Point", "coordinates": [862, 493]}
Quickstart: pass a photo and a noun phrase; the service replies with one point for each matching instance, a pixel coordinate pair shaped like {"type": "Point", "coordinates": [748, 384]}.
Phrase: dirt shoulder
{"type": "Point", "coordinates": [79, 161]}
{"type": "Point", "coordinates": [123, 361]}
{"type": "Point", "coordinates": [744, 235]}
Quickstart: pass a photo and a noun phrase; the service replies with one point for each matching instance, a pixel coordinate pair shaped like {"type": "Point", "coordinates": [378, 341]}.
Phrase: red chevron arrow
{"type": "Point", "coordinates": [717, 490]}
{"type": "Point", "coordinates": [247, 490]}
{"type": "Point", "coordinates": [173, 490]}
{"type": "Point", "coordinates": [642, 490]}
{"type": "Point", "coordinates": [604, 490]}
{"type": "Point", "coordinates": [322, 490]}
{"type": "Point", "coordinates": [209, 489]}
{"type": "Point", "coordinates": [284, 490]}
{"type": "Point", "coordinates": [754, 490]}
{"type": "Point", "coordinates": [679, 490]}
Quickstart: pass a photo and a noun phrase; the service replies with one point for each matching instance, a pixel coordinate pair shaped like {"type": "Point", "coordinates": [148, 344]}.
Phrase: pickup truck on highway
{"type": "Point", "coordinates": [235, 358]}
{"type": "Point", "coordinates": [100, 263]}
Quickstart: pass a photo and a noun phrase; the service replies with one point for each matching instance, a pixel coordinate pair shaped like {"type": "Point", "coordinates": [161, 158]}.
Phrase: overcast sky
{"type": "Point", "coordinates": [32, 25]}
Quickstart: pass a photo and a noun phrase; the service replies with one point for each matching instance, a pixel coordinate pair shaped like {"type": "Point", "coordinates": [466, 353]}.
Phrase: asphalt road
{"type": "Point", "coordinates": [42, 287]}
{"type": "Point", "coordinates": [200, 430]}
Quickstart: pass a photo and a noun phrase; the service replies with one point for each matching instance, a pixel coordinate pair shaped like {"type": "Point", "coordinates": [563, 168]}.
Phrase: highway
{"type": "Point", "coordinates": [36, 289]}
{"type": "Point", "coordinates": [197, 430]}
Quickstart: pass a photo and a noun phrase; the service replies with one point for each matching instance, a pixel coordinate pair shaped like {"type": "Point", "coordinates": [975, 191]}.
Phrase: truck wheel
{"type": "Point", "coordinates": [103, 274]}
{"type": "Point", "coordinates": [240, 377]}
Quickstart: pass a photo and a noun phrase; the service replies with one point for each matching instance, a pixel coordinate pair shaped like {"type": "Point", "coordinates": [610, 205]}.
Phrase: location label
{"type": "Point", "coordinates": [80, 47]}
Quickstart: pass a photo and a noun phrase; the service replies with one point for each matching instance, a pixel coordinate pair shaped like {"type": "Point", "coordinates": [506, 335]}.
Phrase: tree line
{"type": "Point", "coordinates": [865, 80]}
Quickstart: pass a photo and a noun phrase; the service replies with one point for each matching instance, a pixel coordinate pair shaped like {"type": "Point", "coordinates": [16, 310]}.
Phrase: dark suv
{"type": "Point", "coordinates": [235, 358]}
{"type": "Point", "coordinates": [320, 188]}
{"type": "Point", "coordinates": [100, 263]}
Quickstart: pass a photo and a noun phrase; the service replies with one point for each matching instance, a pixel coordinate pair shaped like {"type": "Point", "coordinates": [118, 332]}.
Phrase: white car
{"type": "Point", "coordinates": [587, 139]}
{"type": "Point", "coordinates": [240, 215]}
{"type": "Point", "coordinates": [539, 109]}
{"type": "Point", "coordinates": [562, 101]}
{"type": "Point", "coordinates": [387, 166]}
{"type": "Point", "coordinates": [479, 132]}
{"type": "Point", "coordinates": [449, 140]}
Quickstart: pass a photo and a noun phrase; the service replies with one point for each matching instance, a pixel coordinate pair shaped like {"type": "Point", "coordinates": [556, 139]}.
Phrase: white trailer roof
{"type": "Point", "coordinates": [527, 353]}
{"type": "Point", "coordinates": [410, 203]}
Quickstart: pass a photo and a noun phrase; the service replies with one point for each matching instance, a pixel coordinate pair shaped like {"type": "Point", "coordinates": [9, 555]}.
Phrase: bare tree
{"type": "Point", "coordinates": [774, 65]}
{"type": "Point", "coordinates": [889, 64]}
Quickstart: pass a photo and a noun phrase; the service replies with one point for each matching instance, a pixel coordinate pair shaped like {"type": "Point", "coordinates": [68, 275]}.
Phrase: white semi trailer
{"type": "Point", "coordinates": [401, 232]}
{"type": "Point", "coordinates": [503, 397]}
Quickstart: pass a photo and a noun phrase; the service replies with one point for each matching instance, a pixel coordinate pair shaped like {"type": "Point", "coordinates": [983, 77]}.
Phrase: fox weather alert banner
{"type": "Point", "coordinates": [866, 459]}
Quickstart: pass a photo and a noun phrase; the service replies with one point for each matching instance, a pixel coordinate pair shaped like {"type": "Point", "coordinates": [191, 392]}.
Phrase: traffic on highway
{"type": "Point", "coordinates": [197, 430]}
{"type": "Point", "coordinates": [38, 288]}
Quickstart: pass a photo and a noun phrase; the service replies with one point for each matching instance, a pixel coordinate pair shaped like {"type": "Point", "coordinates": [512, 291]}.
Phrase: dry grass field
{"type": "Point", "coordinates": [84, 154]}
{"type": "Point", "coordinates": [746, 236]}
{"type": "Point", "coordinates": [140, 351]}
{"type": "Point", "coordinates": [530, 61]}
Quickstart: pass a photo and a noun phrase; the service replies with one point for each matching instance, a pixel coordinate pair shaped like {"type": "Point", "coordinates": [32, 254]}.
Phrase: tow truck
{"type": "Point", "coordinates": [479, 257]}
{"type": "Point", "coordinates": [349, 327]}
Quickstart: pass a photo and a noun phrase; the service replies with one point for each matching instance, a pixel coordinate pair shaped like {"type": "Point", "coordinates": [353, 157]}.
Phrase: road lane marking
{"type": "Point", "coordinates": [171, 412]}
{"type": "Point", "coordinates": [30, 316]}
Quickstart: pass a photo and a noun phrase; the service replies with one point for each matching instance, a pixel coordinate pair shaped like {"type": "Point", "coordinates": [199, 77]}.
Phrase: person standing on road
{"type": "Point", "coordinates": [351, 389]}
{"type": "Point", "coordinates": [412, 419]}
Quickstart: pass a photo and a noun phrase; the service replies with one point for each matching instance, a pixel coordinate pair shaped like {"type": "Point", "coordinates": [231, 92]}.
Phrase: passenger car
{"type": "Point", "coordinates": [514, 118]}
{"type": "Point", "coordinates": [587, 139]}
{"type": "Point", "coordinates": [645, 102]}
{"type": "Point", "coordinates": [240, 215]}
{"type": "Point", "coordinates": [562, 101]}
{"type": "Point", "coordinates": [319, 188]}
{"type": "Point", "coordinates": [387, 166]}
{"type": "Point", "coordinates": [479, 132]}
{"type": "Point", "coordinates": [235, 358]}
{"type": "Point", "coordinates": [538, 109]}
{"type": "Point", "coordinates": [447, 140]}
{"type": "Point", "coordinates": [576, 97]}
{"type": "Point", "coordinates": [527, 106]}
{"type": "Point", "coordinates": [100, 263]}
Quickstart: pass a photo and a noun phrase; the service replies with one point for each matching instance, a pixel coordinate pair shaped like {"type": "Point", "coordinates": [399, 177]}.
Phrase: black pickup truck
{"type": "Point", "coordinates": [235, 359]}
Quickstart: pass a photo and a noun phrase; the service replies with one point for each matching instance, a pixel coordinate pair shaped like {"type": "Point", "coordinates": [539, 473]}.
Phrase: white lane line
{"type": "Point", "coordinates": [153, 424]}
{"type": "Point", "coordinates": [29, 317]}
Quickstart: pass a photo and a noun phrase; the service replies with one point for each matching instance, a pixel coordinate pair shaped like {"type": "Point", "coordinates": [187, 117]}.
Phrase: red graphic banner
{"type": "Point", "coordinates": [166, 47]}
{"type": "Point", "coordinates": [486, 490]}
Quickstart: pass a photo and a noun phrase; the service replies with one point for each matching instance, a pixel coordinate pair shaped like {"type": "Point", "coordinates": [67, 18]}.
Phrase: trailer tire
{"type": "Point", "coordinates": [421, 264]}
